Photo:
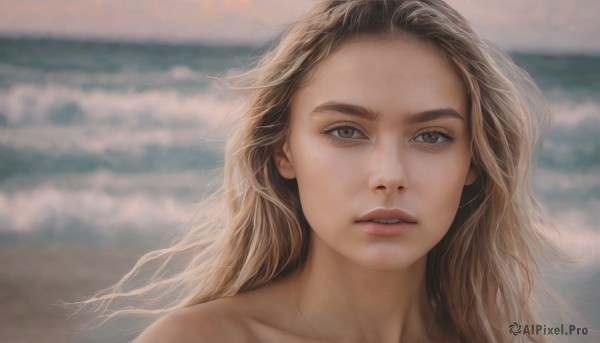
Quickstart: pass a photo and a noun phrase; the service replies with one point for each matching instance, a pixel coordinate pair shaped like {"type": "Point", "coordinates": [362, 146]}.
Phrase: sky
{"type": "Point", "coordinates": [538, 25]}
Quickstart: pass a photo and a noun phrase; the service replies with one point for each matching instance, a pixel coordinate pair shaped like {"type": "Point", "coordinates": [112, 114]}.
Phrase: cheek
{"type": "Point", "coordinates": [439, 186]}
{"type": "Point", "coordinates": [317, 192]}
{"type": "Point", "coordinates": [321, 167]}
{"type": "Point", "coordinates": [327, 179]}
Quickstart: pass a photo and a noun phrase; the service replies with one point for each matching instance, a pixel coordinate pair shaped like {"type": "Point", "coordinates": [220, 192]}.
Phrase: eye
{"type": "Point", "coordinates": [432, 138]}
{"type": "Point", "coordinates": [344, 132]}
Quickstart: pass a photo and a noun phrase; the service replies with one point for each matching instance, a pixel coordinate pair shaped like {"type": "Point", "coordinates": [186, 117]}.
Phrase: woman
{"type": "Point", "coordinates": [376, 190]}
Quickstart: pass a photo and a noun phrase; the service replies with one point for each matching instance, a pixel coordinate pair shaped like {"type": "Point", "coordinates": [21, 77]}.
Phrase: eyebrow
{"type": "Point", "coordinates": [353, 110]}
{"type": "Point", "coordinates": [430, 115]}
{"type": "Point", "coordinates": [362, 112]}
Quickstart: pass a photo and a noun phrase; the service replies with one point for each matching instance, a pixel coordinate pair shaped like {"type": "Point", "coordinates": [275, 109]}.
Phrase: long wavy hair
{"type": "Point", "coordinates": [479, 277]}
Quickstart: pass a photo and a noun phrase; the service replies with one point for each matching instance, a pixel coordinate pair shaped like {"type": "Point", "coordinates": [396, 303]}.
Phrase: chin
{"type": "Point", "coordinates": [389, 261]}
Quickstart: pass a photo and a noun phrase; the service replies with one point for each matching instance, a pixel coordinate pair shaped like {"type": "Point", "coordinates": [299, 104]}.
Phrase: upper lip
{"type": "Point", "coordinates": [387, 213]}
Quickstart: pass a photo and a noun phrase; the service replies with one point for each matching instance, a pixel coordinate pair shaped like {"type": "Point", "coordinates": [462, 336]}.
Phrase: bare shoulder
{"type": "Point", "coordinates": [243, 317]}
{"type": "Point", "coordinates": [215, 321]}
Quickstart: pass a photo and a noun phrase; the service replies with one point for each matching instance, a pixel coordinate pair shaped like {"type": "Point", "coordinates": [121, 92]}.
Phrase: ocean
{"type": "Point", "coordinates": [100, 138]}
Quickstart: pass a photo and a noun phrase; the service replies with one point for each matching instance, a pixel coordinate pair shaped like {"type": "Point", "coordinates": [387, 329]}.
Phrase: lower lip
{"type": "Point", "coordinates": [386, 230]}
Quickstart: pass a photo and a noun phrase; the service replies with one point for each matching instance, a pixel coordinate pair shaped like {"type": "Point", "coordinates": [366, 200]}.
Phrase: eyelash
{"type": "Point", "coordinates": [329, 132]}
{"type": "Point", "coordinates": [442, 132]}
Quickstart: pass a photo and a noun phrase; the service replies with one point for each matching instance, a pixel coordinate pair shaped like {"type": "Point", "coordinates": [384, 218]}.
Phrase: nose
{"type": "Point", "coordinates": [387, 169]}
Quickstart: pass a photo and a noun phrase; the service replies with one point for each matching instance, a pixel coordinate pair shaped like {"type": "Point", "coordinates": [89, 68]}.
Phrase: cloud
{"type": "Point", "coordinates": [563, 25]}
{"type": "Point", "coordinates": [213, 20]}
{"type": "Point", "coordinates": [514, 24]}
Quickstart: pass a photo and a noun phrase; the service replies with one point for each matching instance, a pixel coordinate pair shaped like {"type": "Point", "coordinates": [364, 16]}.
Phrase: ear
{"type": "Point", "coordinates": [472, 175]}
{"type": "Point", "coordinates": [283, 161]}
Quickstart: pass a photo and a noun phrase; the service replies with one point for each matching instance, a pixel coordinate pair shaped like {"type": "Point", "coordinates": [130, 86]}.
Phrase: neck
{"type": "Point", "coordinates": [345, 302]}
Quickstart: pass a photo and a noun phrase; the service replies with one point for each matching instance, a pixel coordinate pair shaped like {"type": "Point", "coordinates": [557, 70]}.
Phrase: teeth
{"type": "Point", "coordinates": [388, 221]}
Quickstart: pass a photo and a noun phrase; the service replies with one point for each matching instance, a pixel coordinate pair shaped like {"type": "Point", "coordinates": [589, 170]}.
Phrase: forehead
{"type": "Point", "coordinates": [400, 70]}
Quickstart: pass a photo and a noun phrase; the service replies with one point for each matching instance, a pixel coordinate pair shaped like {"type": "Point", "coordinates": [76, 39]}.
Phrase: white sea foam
{"type": "Point", "coordinates": [563, 182]}
{"type": "Point", "coordinates": [578, 237]}
{"type": "Point", "coordinates": [111, 120]}
{"type": "Point", "coordinates": [78, 78]}
{"type": "Point", "coordinates": [28, 105]}
{"type": "Point", "coordinates": [180, 73]}
{"type": "Point", "coordinates": [100, 139]}
{"type": "Point", "coordinates": [571, 199]}
{"type": "Point", "coordinates": [569, 112]}
{"type": "Point", "coordinates": [104, 200]}
{"type": "Point", "coordinates": [46, 206]}
{"type": "Point", "coordinates": [194, 183]}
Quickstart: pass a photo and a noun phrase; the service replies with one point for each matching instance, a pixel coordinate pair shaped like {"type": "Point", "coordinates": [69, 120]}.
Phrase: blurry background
{"type": "Point", "coordinates": [110, 127]}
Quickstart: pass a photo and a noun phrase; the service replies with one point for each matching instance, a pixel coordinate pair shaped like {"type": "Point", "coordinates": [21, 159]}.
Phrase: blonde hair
{"type": "Point", "coordinates": [479, 277]}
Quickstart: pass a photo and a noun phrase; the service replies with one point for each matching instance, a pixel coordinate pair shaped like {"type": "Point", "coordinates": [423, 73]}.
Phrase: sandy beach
{"type": "Point", "coordinates": [34, 277]}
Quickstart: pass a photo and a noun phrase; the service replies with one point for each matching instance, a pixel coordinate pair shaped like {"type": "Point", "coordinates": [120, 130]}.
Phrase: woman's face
{"type": "Point", "coordinates": [379, 144]}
